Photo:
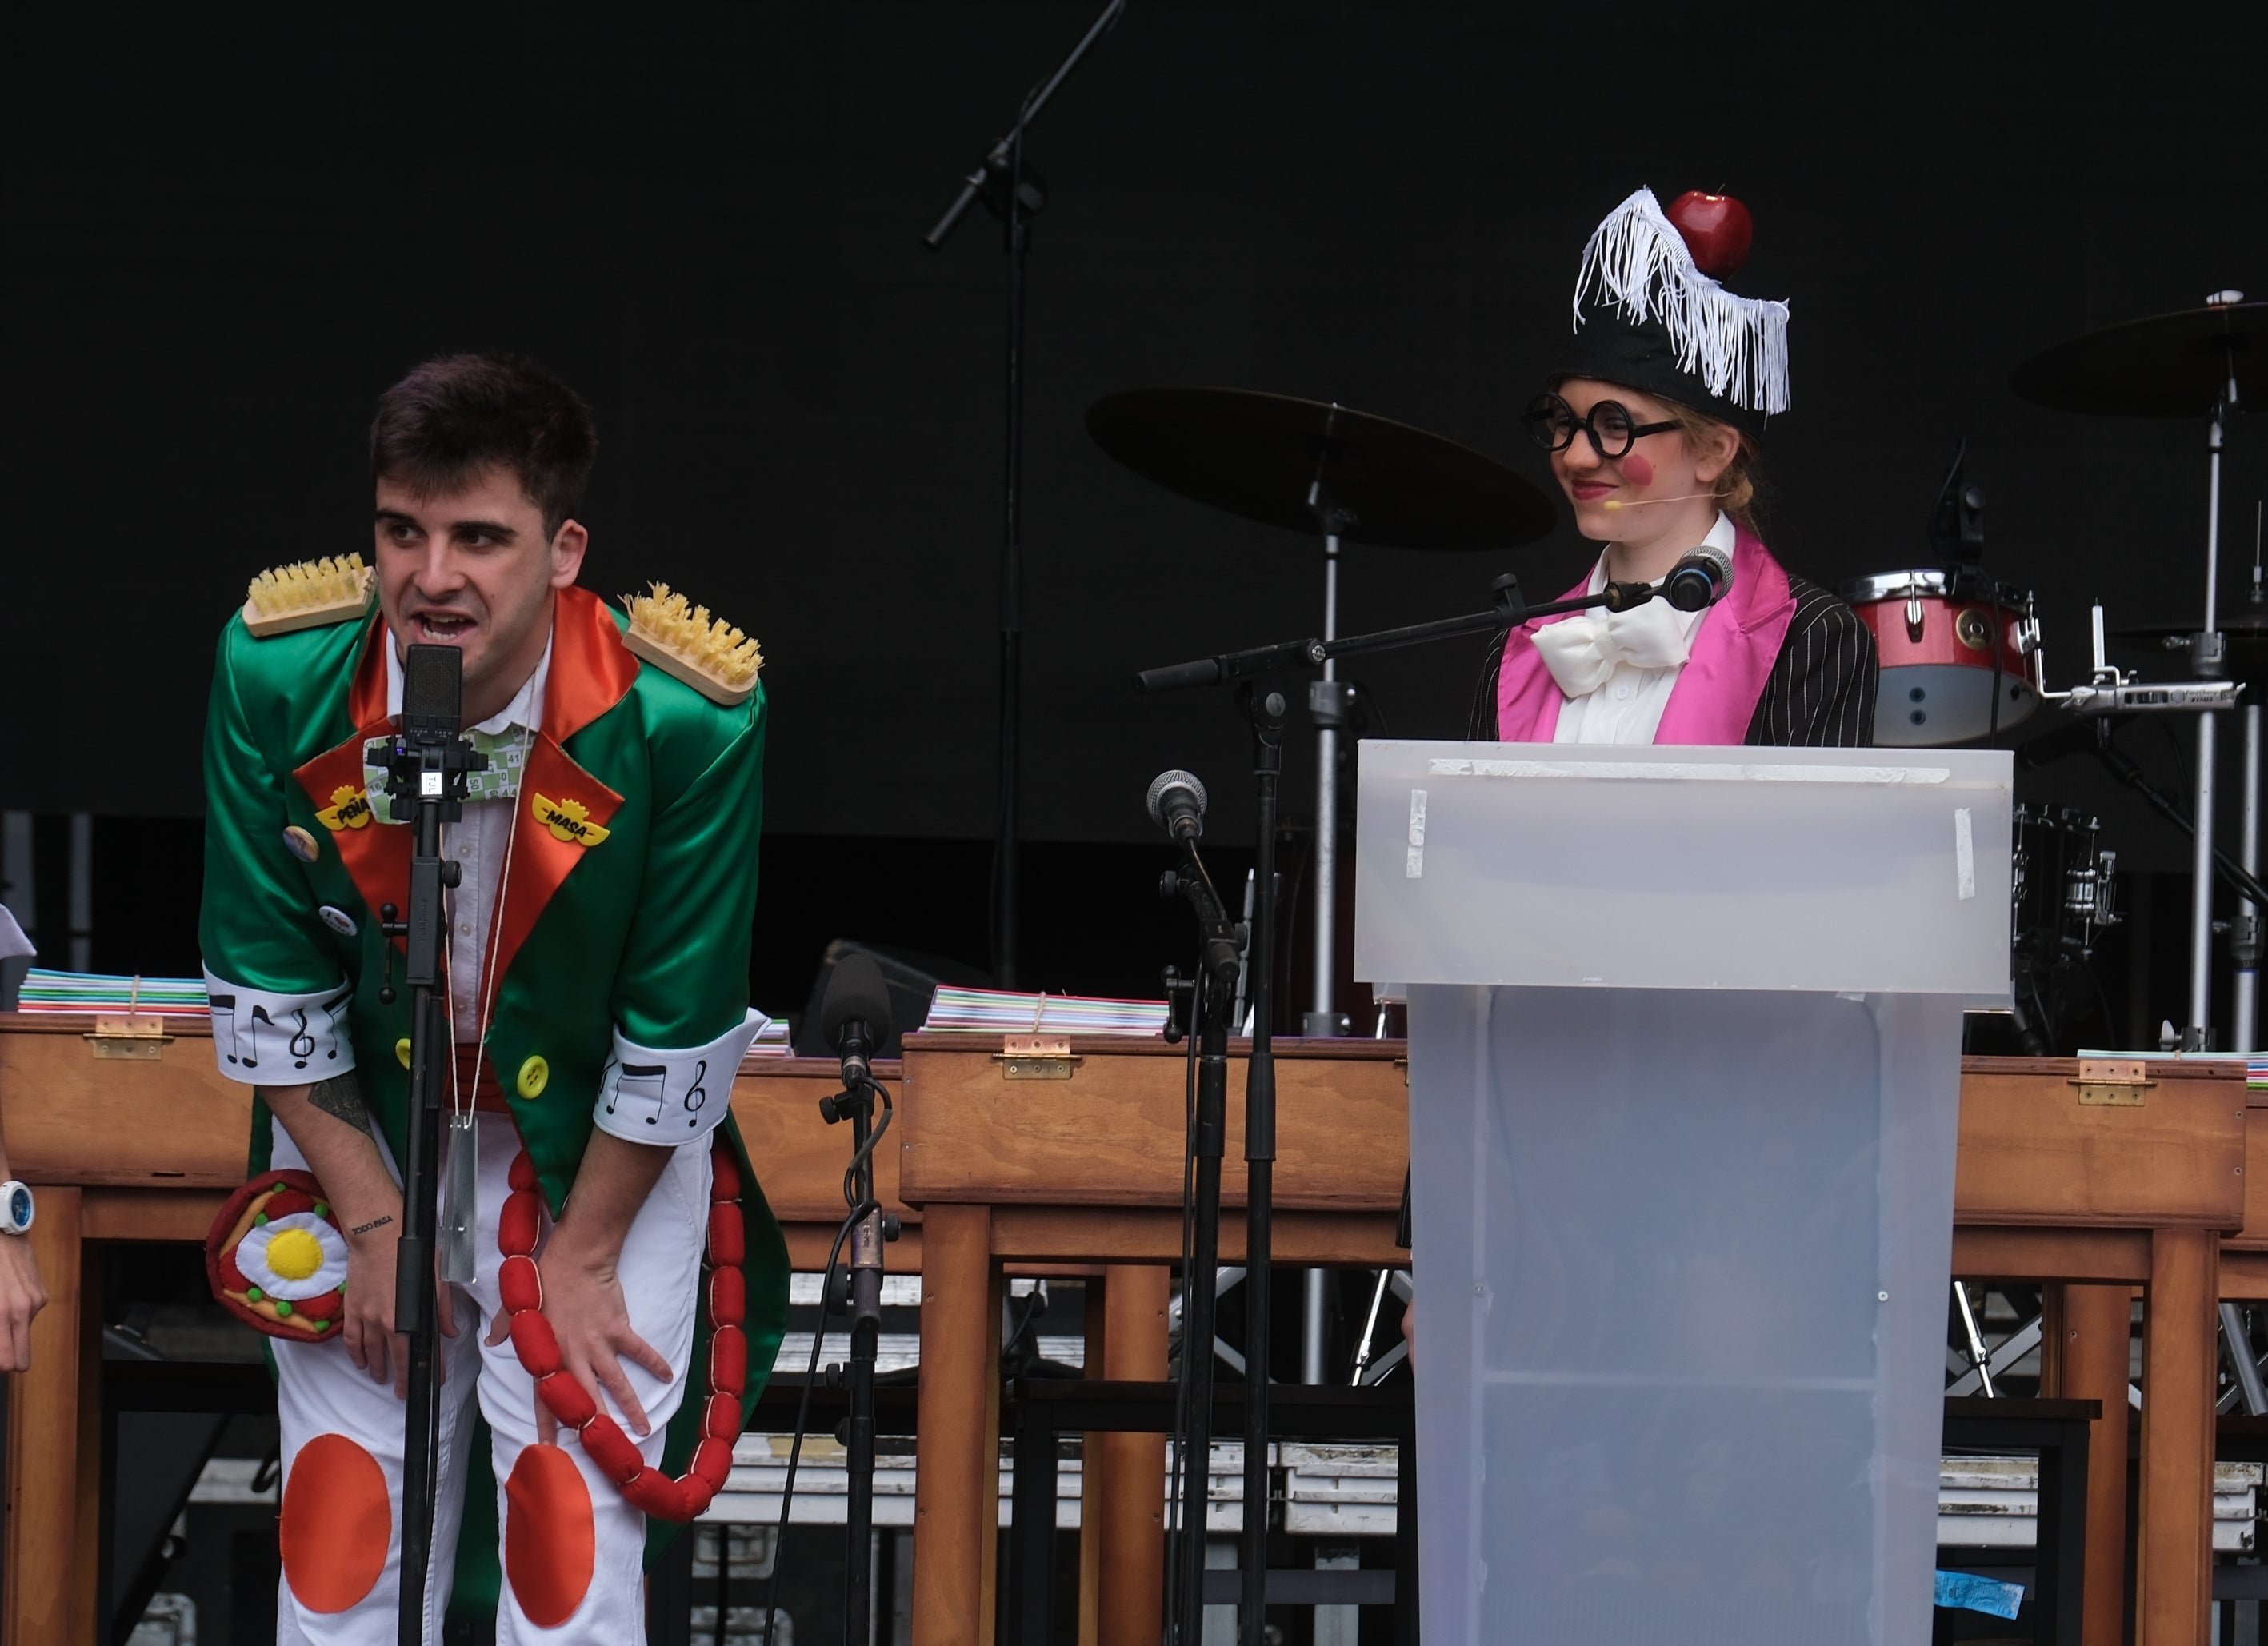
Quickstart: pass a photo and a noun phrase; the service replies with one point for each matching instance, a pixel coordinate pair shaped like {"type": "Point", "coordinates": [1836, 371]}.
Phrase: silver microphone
{"type": "Point", "coordinates": [1177, 803]}
{"type": "Point", "coordinates": [1701, 578]}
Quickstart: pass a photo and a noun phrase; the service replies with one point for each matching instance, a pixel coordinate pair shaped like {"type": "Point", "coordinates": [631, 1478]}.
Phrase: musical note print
{"type": "Point", "coordinates": [252, 1035]}
{"type": "Point", "coordinates": [303, 1044]}
{"type": "Point", "coordinates": [646, 1081]}
{"type": "Point", "coordinates": [223, 1024]}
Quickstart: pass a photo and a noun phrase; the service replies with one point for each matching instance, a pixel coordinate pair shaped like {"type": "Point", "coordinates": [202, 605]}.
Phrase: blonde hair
{"type": "Point", "coordinates": [1738, 485]}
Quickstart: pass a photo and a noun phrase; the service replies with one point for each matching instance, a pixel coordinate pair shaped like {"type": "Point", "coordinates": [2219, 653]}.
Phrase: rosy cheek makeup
{"type": "Point", "coordinates": [1637, 470]}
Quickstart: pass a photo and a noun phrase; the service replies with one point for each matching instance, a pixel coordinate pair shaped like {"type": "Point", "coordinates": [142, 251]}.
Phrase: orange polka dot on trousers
{"type": "Point", "coordinates": [337, 1524]}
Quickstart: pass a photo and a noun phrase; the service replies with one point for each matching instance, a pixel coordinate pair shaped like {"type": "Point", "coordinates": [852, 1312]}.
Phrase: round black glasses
{"type": "Point", "coordinates": [1552, 423]}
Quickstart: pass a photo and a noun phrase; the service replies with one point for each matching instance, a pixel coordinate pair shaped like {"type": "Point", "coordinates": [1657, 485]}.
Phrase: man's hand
{"type": "Point", "coordinates": [582, 1291]}
{"type": "Point", "coordinates": [367, 1326]}
{"type": "Point", "coordinates": [373, 1262]}
{"type": "Point", "coordinates": [583, 1302]}
{"type": "Point", "coordinates": [22, 1296]}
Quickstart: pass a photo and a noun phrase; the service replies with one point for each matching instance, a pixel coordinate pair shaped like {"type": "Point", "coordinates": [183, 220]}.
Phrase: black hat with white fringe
{"type": "Point", "coordinates": [1647, 317]}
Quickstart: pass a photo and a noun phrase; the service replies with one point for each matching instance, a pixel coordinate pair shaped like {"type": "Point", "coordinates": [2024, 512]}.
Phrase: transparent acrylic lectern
{"type": "Point", "coordinates": [1684, 1080]}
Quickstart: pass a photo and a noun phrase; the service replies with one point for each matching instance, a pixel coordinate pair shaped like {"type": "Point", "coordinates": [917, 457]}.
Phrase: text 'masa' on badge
{"type": "Point", "coordinates": [568, 819]}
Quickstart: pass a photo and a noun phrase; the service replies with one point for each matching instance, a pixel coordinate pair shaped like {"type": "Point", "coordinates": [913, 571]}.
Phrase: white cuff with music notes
{"type": "Point", "coordinates": [648, 1096]}
{"type": "Point", "coordinates": [265, 1039]}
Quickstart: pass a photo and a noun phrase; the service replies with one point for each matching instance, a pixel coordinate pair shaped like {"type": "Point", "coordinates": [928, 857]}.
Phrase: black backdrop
{"type": "Point", "coordinates": [224, 234]}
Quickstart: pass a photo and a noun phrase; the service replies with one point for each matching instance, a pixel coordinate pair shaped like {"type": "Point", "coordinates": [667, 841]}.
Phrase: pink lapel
{"type": "Point", "coordinates": [1527, 699]}
{"type": "Point", "coordinates": [1715, 696]}
{"type": "Point", "coordinates": [1717, 693]}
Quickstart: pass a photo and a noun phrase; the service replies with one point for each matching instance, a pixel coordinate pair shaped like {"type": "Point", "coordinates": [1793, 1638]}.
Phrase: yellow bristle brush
{"type": "Point", "coordinates": [306, 594]}
{"type": "Point", "coordinates": [710, 655]}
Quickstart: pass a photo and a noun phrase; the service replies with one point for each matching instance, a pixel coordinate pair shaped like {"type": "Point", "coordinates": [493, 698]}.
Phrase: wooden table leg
{"type": "Point", "coordinates": [956, 1479]}
{"type": "Point", "coordinates": [1132, 1492]}
{"type": "Point", "coordinates": [43, 1426]}
{"type": "Point", "coordinates": [2173, 1575]}
{"type": "Point", "coordinates": [1091, 1472]}
{"type": "Point", "coordinates": [2095, 1334]}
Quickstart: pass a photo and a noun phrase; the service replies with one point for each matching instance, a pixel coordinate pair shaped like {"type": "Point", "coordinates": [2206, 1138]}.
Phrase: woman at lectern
{"type": "Point", "coordinates": [1652, 419]}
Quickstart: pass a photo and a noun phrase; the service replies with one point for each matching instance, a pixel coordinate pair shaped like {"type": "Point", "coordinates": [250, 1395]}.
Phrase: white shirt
{"type": "Point", "coordinates": [479, 843]}
{"type": "Point", "coordinates": [1628, 708]}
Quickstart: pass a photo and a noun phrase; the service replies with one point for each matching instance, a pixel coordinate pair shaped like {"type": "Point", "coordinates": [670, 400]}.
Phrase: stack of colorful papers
{"type": "Point", "coordinates": [91, 992]}
{"type": "Point", "coordinates": [770, 1042]}
{"type": "Point", "coordinates": [995, 1011]}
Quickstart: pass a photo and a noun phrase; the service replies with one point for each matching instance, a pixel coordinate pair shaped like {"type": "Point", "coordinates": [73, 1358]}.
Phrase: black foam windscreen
{"type": "Point", "coordinates": [854, 989]}
{"type": "Point", "coordinates": [432, 693]}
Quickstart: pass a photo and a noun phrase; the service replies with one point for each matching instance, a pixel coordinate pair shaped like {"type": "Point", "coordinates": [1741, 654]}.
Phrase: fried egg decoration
{"type": "Point", "coordinates": [276, 1258]}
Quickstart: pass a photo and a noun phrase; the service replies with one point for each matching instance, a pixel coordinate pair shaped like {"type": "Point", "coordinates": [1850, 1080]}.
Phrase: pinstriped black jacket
{"type": "Point", "coordinates": [1820, 694]}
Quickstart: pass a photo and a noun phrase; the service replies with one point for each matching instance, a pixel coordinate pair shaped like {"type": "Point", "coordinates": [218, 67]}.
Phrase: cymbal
{"type": "Point", "coordinates": [2169, 365]}
{"type": "Point", "coordinates": [1258, 455]}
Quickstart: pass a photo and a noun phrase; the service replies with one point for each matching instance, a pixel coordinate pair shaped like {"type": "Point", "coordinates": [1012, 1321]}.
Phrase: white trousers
{"type": "Point", "coordinates": [341, 1522]}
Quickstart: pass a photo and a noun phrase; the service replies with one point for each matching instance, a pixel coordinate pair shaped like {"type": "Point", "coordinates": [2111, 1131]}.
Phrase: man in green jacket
{"type": "Point", "coordinates": [597, 967]}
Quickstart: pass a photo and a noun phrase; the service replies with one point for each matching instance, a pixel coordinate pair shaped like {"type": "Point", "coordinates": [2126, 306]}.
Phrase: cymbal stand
{"type": "Point", "coordinates": [2244, 932]}
{"type": "Point", "coordinates": [1328, 701]}
{"type": "Point", "coordinates": [1326, 705]}
{"type": "Point", "coordinates": [2206, 662]}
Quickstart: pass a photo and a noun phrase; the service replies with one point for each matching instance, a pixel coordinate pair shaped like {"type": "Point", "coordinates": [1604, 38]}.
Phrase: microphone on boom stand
{"type": "Point", "coordinates": [1701, 578]}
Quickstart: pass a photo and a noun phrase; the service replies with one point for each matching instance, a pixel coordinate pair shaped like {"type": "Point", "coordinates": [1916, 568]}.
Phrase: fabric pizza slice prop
{"type": "Point", "coordinates": [276, 1258]}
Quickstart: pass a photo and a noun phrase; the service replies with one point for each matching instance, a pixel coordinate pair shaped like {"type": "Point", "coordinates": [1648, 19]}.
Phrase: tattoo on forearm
{"type": "Point", "coordinates": [341, 1098]}
{"type": "Point", "coordinates": [375, 1223]}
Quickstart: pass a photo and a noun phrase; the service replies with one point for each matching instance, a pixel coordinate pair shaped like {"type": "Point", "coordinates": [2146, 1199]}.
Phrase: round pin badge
{"type": "Point", "coordinates": [301, 844]}
{"type": "Point", "coordinates": [338, 919]}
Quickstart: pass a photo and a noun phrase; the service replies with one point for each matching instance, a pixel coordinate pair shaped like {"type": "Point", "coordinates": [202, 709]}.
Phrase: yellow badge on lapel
{"type": "Point", "coordinates": [350, 808]}
{"type": "Point", "coordinates": [567, 820]}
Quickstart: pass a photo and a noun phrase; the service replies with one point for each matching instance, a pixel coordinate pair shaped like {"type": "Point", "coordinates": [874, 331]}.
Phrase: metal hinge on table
{"type": "Point", "coordinates": [2116, 1083]}
{"type": "Point", "coordinates": [135, 1036]}
{"type": "Point", "coordinates": [1035, 1058]}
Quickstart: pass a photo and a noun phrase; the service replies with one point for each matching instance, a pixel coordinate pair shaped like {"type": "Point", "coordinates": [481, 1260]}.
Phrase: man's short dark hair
{"type": "Point", "coordinates": [457, 415]}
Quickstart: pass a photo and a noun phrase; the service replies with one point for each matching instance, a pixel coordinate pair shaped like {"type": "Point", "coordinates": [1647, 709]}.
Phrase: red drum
{"type": "Point", "coordinates": [1958, 654]}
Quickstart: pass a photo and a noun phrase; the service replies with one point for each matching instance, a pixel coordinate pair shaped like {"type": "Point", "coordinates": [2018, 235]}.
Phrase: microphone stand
{"type": "Point", "coordinates": [1264, 706]}
{"type": "Point", "coordinates": [1014, 194]}
{"type": "Point", "coordinates": [425, 780]}
{"type": "Point", "coordinates": [1509, 612]}
{"type": "Point", "coordinates": [1214, 990]}
{"type": "Point", "coordinates": [856, 1104]}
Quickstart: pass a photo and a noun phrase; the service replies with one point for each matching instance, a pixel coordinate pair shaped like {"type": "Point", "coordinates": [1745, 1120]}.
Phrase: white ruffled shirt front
{"type": "Point", "coordinates": [1616, 669]}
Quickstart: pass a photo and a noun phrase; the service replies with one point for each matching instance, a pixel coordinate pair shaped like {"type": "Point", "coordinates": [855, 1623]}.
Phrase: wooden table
{"type": "Point", "coordinates": [126, 1150]}
{"type": "Point", "coordinates": [2095, 1200]}
{"type": "Point", "coordinates": [1032, 1175]}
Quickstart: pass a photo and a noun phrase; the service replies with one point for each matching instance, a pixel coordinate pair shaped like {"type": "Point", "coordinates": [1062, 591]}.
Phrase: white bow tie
{"type": "Point", "coordinates": [1582, 652]}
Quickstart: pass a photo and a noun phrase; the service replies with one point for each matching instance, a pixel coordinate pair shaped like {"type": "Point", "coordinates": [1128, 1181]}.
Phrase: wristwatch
{"type": "Point", "coordinates": [16, 1209]}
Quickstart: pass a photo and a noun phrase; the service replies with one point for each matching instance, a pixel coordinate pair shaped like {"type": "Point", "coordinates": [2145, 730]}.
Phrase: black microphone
{"type": "Point", "coordinates": [1700, 579]}
{"type": "Point", "coordinates": [1177, 803]}
{"type": "Point", "coordinates": [854, 1015]}
{"type": "Point", "coordinates": [432, 694]}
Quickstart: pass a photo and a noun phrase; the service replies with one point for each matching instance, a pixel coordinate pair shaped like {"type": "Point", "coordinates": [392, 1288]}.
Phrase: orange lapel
{"type": "Point", "coordinates": [376, 854]}
{"type": "Point", "coordinates": [592, 670]}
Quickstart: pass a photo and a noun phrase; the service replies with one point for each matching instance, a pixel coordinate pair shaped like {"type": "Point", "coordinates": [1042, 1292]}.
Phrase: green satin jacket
{"type": "Point", "coordinates": [647, 929]}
